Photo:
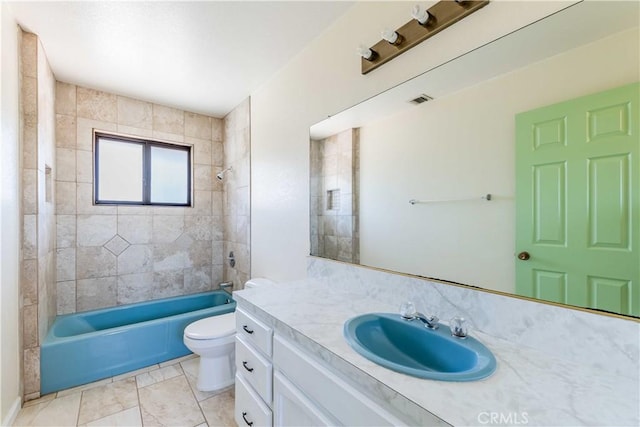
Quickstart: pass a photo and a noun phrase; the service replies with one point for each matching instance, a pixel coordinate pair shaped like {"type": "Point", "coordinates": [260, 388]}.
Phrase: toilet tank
{"type": "Point", "coordinates": [257, 282]}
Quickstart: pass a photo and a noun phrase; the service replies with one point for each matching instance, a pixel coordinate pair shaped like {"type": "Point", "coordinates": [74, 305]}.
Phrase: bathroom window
{"type": "Point", "coordinates": [134, 171]}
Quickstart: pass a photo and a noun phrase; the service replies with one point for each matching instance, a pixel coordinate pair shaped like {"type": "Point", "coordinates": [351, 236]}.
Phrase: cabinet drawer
{"type": "Point", "coordinates": [335, 396]}
{"type": "Point", "coordinates": [250, 410]}
{"type": "Point", "coordinates": [254, 368]}
{"type": "Point", "coordinates": [254, 331]}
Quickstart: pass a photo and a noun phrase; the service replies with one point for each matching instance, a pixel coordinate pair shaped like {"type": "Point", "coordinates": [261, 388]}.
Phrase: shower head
{"type": "Point", "coordinates": [220, 175]}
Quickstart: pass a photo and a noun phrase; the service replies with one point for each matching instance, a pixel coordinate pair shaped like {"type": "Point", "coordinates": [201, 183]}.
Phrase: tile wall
{"type": "Point", "coordinates": [38, 231]}
{"type": "Point", "coordinates": [334, 175]}
{"type": "Point", "coordinates": [113, 255]}
{"type": "Point", "coordinates": [236, 185]}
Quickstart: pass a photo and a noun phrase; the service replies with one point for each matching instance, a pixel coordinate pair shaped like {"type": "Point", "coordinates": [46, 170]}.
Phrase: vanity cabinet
{"type": "Point", "coordinates": [254, 371]}
{"type": "Point", "coordinates": [279, 383]}
{"type": "Point", "coordinates": [307, 392]}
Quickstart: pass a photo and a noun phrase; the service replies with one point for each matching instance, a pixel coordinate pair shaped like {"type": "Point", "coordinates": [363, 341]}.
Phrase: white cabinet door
{"type": "Point", "coordinates": [250, 410]}
{"type": "Point", "coordinates": [292, 408]}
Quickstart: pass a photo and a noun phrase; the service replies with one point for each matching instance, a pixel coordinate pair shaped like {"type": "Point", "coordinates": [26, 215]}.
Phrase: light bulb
{"type": "Point", "coordinates": [420, 15]}
{"type": "Point", "coordinates": [390, 36]}
{"type": "Point", "coordinates": [366, 53]}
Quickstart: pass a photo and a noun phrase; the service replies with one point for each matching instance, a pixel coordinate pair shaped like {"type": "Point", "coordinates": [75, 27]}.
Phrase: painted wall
{"type": "Point", "coordinates": [322, 80]}
{"type": "Point", "coordinates": [455, 148]}
{"type": "Point", "coordinates": [10, 345]}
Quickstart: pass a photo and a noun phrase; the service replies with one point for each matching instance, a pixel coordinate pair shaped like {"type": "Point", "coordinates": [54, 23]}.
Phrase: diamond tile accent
{"type": "Point", "coordinates": [117, 245]}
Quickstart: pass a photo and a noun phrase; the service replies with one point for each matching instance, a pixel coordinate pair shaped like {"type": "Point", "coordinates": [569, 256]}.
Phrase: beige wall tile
{"type": "Point", "coordinates": [166, 136]}
{"type": "Point", "coordinates": [65, 197]}
{"type": "Point", "coordinates": [168, 283]}
{"type": "Point", "coordinates": [30, 96]}
{"type": "Point", "coordinates": [28, 54]}
{"type": "Point", "coordinates": [65, 264]}
{"type": "Point", "coordinates": [135, 229]}
{"type": "Point", "coordinates": [132, 112]}
{"type": "Point", "coordinates": [84, 165]}
{"type": "Point", "coordinates": [30, 237]}
{"type": "Point", "coordinates": [30, 326]}
{"type": "Point", "coordinates": [65, 164]}
{"type": "Point", "coordinates": [65, 99]}
{"type": "Point", "coordinates": [65, 231]}
{"type": "Point", "coordinates": [66, 297]}
{"type": "Point", "coordinates": [94, 262]}
{"type": "Point", "coordinates": [197, 279]}
{"type": "Point", "coordinates": [29, 191]}
{"type": "Point", "coordinates": [135, 287]}
{"type": "Point", "coordinates": [201, 150]}
{"type": "Point", "coordinates": [133, 131]}
{"type": "Point", "coordinates": [217, 129]}
{"type": "Point", "coordinates": [31, 366]}
{"type": "Point", "coordinates": [96, 105]}
{"type": "Point", "coordinates": [198, 227]}
{"type": "Point", "coordinates": [201, 203]}
{"type": "Point", "coordinates": [217, 154]}
{"type": "Point", "coordinates": [85, 202]}
{"type": "Point", "coordinates": [135, 259]}
{"type": "Point", "coordinates": [167, 119]}
{"type": "Point", "coordinates": [84, 130]}
{"type": "Point", "coordinates": [197, 126]}
{"type": "Point", "coordinates": [96, 293]}
{"type": "Point", "coordinates": [167, 228]}
{"type": "Point", "coordinates": [30, 142]}
{"type": "Point", "coordinates": [29, 281]}
{"type": "Point", "coordinates": [65, 131]}
{"type": "Point", "coordinates": [96, 230]}
{"type": "Point", "coordinates": [168, 257]}
{"type": "Point", "coordinates": [202, 176]}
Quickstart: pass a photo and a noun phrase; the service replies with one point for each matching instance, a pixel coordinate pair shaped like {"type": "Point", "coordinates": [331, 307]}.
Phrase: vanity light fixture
{"type": "Point", "coordinates": [425, 23]}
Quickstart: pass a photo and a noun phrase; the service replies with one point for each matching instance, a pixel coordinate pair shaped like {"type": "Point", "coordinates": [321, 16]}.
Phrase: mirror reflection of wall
{"type": "Point", "coordinates": [334, 197]}
{"type": "Point", "coordinates": [461, 145]}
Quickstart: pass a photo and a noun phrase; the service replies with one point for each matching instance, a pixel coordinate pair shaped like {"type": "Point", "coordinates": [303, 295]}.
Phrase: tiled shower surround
{"type": "Point", "coordinates": [334, 196]}
{"type": "Point", "coordinates": [112, 255]}
{"type": "Point", "coordinates": [38, 232]}
{"type": "Point", "coordinates": [77, 256]}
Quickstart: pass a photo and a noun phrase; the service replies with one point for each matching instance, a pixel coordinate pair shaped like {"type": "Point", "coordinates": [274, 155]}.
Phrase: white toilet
{"type": "Point", "coordinates": [213, 339]}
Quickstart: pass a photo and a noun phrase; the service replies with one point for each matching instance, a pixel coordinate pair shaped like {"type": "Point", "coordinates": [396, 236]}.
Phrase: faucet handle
{"type": "Point", "coordinates": [458, 326]}
{"type": "Point", "coordinates": [408, 310]}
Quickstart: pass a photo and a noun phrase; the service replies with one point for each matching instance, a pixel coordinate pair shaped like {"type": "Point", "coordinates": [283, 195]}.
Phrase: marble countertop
{"type": "Point", "coordinates": [529, 387]}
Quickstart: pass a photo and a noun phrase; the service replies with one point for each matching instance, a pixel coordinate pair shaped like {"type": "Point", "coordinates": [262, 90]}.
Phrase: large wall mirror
{"type": "Point", "coordinates": [446, 141]}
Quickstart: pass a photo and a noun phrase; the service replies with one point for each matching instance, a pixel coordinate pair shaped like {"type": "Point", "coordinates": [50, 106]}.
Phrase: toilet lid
{"type": "Point", "coordinates": [212, 327]}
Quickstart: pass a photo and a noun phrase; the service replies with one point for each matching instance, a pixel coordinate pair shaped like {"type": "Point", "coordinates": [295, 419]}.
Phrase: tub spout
{"type": "Point", "coordinates": [227, 287]}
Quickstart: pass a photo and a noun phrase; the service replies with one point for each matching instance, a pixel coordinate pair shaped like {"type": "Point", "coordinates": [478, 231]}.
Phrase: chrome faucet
{"type": "Point", "coordinates": [409, 313]}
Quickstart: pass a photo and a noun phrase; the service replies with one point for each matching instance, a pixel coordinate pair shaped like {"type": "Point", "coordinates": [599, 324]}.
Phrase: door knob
{"type": "Point", "coordinates": [523, 256]}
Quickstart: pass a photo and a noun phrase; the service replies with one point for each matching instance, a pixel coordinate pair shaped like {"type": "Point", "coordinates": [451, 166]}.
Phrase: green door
{"type": "Point", "coordinates": [578, 201]}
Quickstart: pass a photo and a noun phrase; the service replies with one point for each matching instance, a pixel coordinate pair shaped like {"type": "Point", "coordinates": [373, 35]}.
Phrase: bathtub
{"type": "Point", "coordinates": [84, 347]}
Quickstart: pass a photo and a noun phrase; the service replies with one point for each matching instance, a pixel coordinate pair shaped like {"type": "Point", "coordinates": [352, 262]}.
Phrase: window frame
{"type": "Point", "coordinates": [146, 168]}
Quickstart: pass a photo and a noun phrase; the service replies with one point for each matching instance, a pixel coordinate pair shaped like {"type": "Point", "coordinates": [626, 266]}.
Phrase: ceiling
{"type": "Point", "coordinates": [202, 56]}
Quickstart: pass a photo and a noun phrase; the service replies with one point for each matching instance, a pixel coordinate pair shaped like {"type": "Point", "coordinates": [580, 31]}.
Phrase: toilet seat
{"type": "Point", "coordinates": [212, 327]}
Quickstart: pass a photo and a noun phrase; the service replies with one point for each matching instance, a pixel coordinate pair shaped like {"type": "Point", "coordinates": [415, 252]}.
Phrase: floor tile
{"type": "Point", "coordinates": [169, 403]}
{"type": "Point", "coordinates": [130, 417]}
{"type": "Point", "coordinates": [218, 410]}
{"type": "Point", "coordinates": [191, 368]}
{"type": "Point", "coordinates": [107, 400]}
{"type": "Point", "coordinates": [158, 375]}
{"type": "Point", "coordinates": [62, 411]}
{"type": "Point", "coordinates": [84, 387]}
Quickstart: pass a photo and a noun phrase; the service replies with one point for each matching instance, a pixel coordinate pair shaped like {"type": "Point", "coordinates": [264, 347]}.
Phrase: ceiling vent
{"type": "Point", "coordinates": [422, 98]}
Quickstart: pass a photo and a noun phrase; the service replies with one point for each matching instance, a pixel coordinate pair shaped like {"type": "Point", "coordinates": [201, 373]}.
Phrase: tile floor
{"type": "Point", "coordinates": [160, 395]}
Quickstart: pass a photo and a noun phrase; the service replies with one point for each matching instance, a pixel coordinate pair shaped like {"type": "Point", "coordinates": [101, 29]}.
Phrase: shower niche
{"type": "Point", "coordinates": [335, 172]}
